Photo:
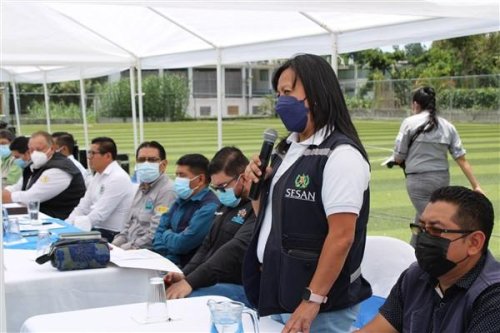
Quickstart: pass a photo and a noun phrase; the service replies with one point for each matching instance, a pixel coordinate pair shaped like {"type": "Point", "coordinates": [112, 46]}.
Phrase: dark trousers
{"type": "Point", "coordinates": [107, 234]}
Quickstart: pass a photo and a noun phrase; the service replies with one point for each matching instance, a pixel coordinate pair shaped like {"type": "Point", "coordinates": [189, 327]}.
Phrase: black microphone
{"type": "Point", "coordinates": [270, 136]}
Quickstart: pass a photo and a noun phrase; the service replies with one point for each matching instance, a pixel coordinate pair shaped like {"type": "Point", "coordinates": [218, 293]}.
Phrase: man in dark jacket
{"type": "Point", "coordinates": [50, 178]}
{"type": "Point", "coordinates": [455, 284]}
{"type": "Point", "coordinates": [215, 269]}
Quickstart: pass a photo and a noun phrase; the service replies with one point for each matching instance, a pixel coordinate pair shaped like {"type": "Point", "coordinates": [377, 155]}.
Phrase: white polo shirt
{"type": "Point", "coordinates": [106, 202]}
{"type": "Point", "coordinates": [50, 184]}
{"type": "Point", "coordinates": [345, 178]}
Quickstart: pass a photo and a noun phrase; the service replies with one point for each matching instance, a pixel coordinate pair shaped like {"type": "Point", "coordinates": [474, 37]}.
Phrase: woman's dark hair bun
{"type": "Point", "coordinates": [429, 91]}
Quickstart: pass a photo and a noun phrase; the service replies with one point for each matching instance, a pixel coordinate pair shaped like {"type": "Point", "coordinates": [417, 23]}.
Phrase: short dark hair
{"type": "Point", "coordinates": [48, 138]}
{"type": "Point", "coordinates": [64, 139]}
{"type": "Point", "coordinates": [197, 163]}
{"type": "Point", "coordinates": [106, 145]}
{"type": "Point", "coordinates": [152, 144]}
{"type": "Point", "coordinates": [230, 160]}
{"type": "Point", "coordinates": [6, 134]}
{"type": "Point", "coordinates": [474, 210]}
{"type": "Point", "coordinates": [20, 144]}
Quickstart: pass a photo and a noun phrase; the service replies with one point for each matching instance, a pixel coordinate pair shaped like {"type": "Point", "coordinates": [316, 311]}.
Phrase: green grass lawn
{"type": "Point", "coordinates": [391, 209]}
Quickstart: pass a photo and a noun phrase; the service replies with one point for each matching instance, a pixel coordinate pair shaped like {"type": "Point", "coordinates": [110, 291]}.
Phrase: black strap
{"type": "Point", "coordinates": [419, 131]}
{"type": "Point", "coordinates": [43, 258]}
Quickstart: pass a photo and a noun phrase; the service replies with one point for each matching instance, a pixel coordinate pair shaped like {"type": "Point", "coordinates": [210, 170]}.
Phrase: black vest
{"type": "Point", "coordinates": [299, 228]}
{"type": "Point", "coordinates": [62, 204]}
{"type": "Point", "coordinates": [452, 316]}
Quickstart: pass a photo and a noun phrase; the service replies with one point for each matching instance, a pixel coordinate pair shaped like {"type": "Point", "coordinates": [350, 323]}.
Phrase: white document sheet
{"type": "Point", "coordinates": [143, 258]}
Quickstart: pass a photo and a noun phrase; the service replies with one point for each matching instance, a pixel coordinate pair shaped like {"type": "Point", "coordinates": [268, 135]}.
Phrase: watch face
{"type": "Point", "coordinates": [306, 295]}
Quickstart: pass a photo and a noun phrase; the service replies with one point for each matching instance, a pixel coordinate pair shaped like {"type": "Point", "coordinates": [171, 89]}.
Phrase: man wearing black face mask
{"type": "Point", "coordinates": [455, 284]}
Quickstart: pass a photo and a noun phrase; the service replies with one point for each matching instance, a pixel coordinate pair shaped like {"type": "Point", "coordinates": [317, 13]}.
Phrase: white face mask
{"type": "Point", "coordinates": [39, 159]}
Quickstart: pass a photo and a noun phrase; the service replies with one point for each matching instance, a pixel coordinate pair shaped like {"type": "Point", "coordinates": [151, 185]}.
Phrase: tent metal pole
{"type": "Point", "coordinates": [191, 104]}
{"type": "Point", "coordinates": [132, 102]}
{"type": "Point", "coordinates": [16, 108]}
{"type": "Point", "coordinates": [219, 100]}
{"type": "Point", "coordinates": [335, 52]}
{"type": "Point", "coordinates": [47, 106]}
{"type": "Point", "coordinates": [141, 112]}
{"type": "Point", "coordinates": [84, 113]}
{"type": "Point", "coordinates": [3, 316]}
{"type": "Point", "coordinates": [333, 36]}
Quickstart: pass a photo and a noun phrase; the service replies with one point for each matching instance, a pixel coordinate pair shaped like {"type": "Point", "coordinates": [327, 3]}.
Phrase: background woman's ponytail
{"type": "Point", "coordinates": [426, 98]}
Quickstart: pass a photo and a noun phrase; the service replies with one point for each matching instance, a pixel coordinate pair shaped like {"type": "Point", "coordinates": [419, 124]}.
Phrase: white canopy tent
{"type": "Point", "coordinates": [89, 39]}
{"type": "Point", "coordinates": [53, 41]}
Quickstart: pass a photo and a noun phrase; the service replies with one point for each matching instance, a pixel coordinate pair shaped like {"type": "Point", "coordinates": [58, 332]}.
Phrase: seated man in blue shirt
{"type": "Point", "coordinates": [455, 284]}
{"type": "Point", "coordinates": [187, 222]}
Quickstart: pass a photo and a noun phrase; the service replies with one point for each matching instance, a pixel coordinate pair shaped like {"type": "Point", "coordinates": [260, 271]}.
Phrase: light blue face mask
{"type": "Point", "coordinates": [20, 163]}
{"type": "Point", "coordinates": [181, 186]}
{"type": "Point", "coordinates": [228, 198]}
{"type": "Point", "coordinates": [147, 172]}
{"type": "Point", "coordinates": [4, 151]}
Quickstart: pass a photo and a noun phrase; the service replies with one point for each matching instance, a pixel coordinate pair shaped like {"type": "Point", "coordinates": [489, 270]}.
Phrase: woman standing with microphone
{"type": "Point", "coordinates": [422, 145]}
{"type": "Point", "coordinates": [303, 263]}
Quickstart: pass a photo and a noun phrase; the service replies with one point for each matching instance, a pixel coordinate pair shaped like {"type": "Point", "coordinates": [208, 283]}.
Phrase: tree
{"type": "Point", "coordinates": [472, 55]}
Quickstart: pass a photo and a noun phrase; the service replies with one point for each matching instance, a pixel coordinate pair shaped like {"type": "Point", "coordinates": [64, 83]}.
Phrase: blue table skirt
{"type": "Point", "coordinates": [54, 235]}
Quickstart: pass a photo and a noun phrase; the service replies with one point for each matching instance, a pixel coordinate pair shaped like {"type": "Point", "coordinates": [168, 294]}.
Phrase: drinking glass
{"type": "Point", "coordinates": [156, 308]}
{"type": "Point", "coordinates": [33, 209]}
{"type": "Point", "coordinates": [43, 243]}
{"type": "Point", "coordinates": [13, 231]}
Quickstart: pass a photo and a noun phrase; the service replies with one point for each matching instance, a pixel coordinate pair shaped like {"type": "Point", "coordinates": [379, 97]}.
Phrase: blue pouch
{"type": "Point", "coordinates": [72, 254]}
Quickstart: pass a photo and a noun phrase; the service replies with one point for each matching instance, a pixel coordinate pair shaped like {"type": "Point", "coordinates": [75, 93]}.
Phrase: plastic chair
{"type": "Point", "coordinates": [384, 260]}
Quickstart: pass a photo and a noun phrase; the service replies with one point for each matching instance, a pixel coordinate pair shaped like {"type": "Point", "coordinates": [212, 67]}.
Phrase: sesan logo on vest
{"type": "Point", "coordinates": [299, 192]}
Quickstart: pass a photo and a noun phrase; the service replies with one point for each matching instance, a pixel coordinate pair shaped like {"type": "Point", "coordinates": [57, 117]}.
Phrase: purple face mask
{"type": "Point", "coordinates": [293, 113]}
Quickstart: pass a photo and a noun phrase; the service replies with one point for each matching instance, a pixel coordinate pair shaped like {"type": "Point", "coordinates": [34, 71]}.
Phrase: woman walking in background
{"type": "Point", "coordinates": [422, 144]}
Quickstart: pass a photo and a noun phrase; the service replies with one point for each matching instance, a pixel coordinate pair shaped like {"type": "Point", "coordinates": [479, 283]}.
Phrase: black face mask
{"type": "Point", "coordinates": [431, 254]}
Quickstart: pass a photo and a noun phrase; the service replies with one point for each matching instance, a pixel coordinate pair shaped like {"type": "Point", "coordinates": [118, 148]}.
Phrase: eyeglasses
{"type": "Point", "coordinates": [93, 152]}
{"type": "Point", "coordinates": [222, 187]}
{"type": "Point", "coordinates": [434, 231]}
{"type": "Point", "coordinates": [148, 159]}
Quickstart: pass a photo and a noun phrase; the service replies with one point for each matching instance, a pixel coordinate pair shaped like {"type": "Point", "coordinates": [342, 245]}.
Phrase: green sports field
{"type": "Point", "coordinates": [391, 210]}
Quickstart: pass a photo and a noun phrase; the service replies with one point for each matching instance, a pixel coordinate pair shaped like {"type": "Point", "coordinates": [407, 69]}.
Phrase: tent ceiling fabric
{"type": "Point", "coordinates": [60, 41]}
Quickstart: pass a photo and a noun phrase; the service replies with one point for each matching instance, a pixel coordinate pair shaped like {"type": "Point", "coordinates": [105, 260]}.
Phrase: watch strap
{"type": "Point", "coordinates": [315, 298]}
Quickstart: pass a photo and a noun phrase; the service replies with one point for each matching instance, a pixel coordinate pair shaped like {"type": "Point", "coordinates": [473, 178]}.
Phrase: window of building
{"type": "Point", "coordinates": [263, 75]}
{"type": "Point", "coordinates": [204, 83]}
{"type": "Point", "coordinates": [233, 110]}
{"type": "Point", "coordinates": [205, 110]}
{"type": "Point", "coordinates": [233, 82]}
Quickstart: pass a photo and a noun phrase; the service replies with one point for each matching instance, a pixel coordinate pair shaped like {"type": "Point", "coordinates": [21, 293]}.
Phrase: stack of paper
{"type": "Point", "coordinates": [143, 258]}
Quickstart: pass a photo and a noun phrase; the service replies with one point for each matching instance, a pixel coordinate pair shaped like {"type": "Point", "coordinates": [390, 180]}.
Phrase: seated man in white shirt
{"type": "Point", "coordinates": [109, 195]}
{"type": "Point", "coordinates": [65, 144]}
{"type": "Point", "coordinates": [49, 178]}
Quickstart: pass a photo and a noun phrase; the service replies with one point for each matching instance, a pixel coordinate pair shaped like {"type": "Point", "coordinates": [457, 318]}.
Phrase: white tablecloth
{"type": "Point", "coordinates": [189, 315]}
{"type": "Point", "coordinates": [32, 289]}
